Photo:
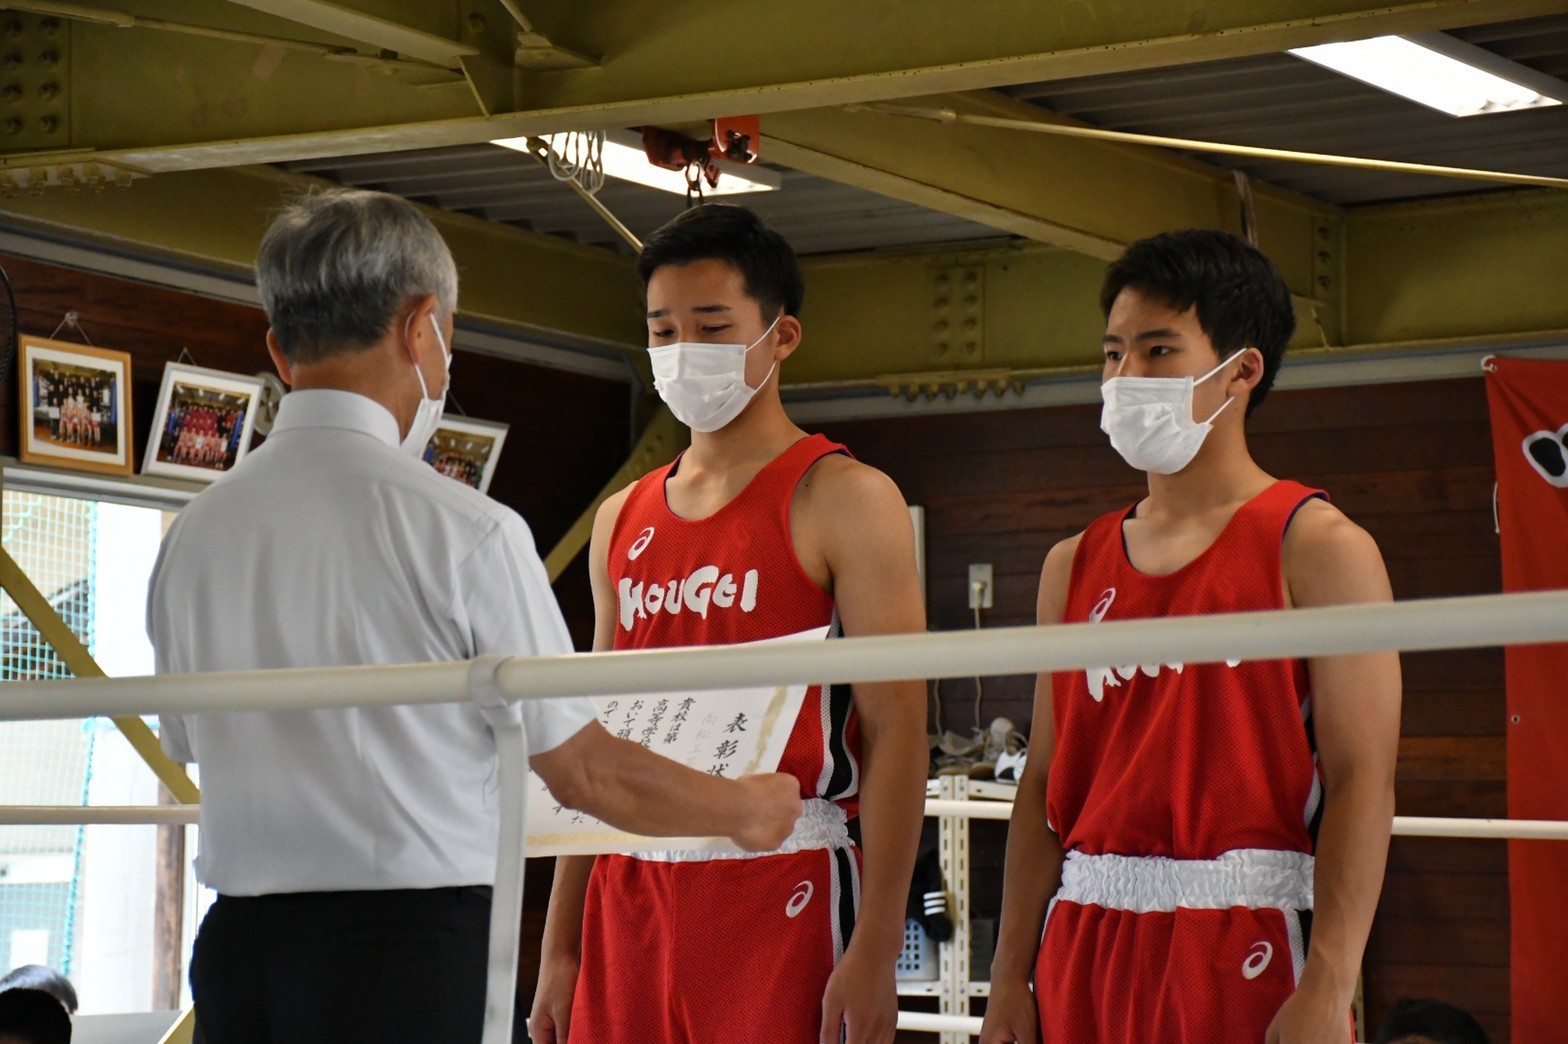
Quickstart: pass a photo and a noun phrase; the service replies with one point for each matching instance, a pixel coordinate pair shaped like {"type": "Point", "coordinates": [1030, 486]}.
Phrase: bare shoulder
{"type": "Point", "coordinates": [604, 527]}
{"type": "Point", "coordinates": [847, 489]}
{"type": "Point", "coordinates": [1329, 559]}
{"type": "Point", "coordinates": [1055, 577]}
{"type": "Point", "coordinates": [610, 510]}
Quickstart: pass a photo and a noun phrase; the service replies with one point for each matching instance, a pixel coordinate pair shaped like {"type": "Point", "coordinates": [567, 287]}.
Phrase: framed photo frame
{"type": "Point", "coordinates": [75, 405]}
{"type": "Point", "coordinates": [466, 450]}
{"type": "Point", "coordinates": [203, 423]}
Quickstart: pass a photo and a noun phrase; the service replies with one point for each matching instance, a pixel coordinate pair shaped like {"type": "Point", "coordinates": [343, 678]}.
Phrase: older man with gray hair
{"type": "Point", "coordinates": [353, 850]}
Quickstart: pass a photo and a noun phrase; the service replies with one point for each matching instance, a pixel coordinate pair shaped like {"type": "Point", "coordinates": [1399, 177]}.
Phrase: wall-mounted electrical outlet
{"type": "Point", "coordinates": [981, 591]}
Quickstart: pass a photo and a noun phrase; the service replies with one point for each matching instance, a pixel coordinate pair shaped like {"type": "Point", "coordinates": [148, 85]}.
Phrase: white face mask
{"type": "Point", "coordinates": [704, 385]}
{"type": "Point", "coordinates": [428, 416]}
{"type": "Point", "coordinates": [1149, 419]}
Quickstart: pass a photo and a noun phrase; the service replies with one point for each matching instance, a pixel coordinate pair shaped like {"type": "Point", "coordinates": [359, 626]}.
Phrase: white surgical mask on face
{"type": "Point", "coordinates": [428, 416]}
{"type": "Point", "coordinates": [1149, 419]}
{"type": "Point", "coordinates": [704, 385]}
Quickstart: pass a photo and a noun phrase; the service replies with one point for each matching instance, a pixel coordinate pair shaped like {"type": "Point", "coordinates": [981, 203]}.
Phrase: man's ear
{"type": "Point", "coordinates": [789, 332]}
{"type": "Point", "coordinates": [279, 360]}
{"type": "Point", "coordinates": [1250, 372]}
{"type": "Point", "coordinates": [413, 322]}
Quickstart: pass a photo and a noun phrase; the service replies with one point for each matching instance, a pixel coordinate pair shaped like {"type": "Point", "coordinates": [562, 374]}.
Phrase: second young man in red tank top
{"type": "Point", "coordinates": [759, 531]}
{"type": "Point", "coordinates": [1202, 845]}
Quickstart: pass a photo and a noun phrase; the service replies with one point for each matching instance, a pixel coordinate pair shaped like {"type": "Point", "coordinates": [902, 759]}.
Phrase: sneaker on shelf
{"type": "Point", "coordinates": [1010, 767]}
{"type": "Point", "coordinates": [956, 755]}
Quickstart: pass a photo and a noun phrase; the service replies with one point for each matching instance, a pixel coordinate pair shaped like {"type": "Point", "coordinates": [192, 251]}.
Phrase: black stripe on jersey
{"type": "Point", "coordinates": [841, 781]}
{"type": "Point", "coordinates": [843, 877]}
{"type": "Point", "coordinates": [1306, 929]}
{"type": "Point", "coordinates": [1317, 815]}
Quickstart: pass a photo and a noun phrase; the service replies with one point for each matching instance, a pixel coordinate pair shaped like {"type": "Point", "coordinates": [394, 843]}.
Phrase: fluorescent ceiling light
{"type": "Point", "coordinates": [626, 161]}
{"type": "Point", "coordinates": [1440, 72]}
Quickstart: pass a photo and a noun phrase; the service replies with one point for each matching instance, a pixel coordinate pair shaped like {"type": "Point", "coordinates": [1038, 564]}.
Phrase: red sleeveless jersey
{"type": "Point", "coordinates": [1185, 761]}
{"type": "Point", "coordinates": [733, 577]}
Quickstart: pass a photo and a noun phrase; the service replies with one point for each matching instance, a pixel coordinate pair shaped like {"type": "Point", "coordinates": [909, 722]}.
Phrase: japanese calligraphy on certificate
{"type": "Point", "coordinates": [736, 732]}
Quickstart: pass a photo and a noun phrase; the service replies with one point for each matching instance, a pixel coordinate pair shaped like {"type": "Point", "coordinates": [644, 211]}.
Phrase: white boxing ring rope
{"type": "Point", "coordinates": [188, 815]}
{"type": "Point", "coordinates": [1486, 620]}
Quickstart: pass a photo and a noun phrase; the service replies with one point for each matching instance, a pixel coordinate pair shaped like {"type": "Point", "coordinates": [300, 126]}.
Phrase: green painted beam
{"type": "Point", "coordinates": [1036, 309]}
{"type": "Point", "coordinates": [1459, 269]}
{"type": "Point", "coordinates": [206, 103]}
{"type": "Point", "coordinates": [540, 286]}
{"type": "Point", "coordinates": [1090, 197]}
{"type": "Point", "coordinates": [1415, 274]}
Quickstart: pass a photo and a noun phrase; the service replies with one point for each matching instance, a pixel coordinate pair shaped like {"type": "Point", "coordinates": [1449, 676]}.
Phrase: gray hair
{"type": "Point", "coordinates": [335, 267]}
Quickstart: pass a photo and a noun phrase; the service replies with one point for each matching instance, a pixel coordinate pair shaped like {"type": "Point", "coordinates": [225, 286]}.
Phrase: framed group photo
{"type": "Point", "coordinates": [466, 450]}
{"type": "Point", "coordinates": [76, 405]}
{"type": "Point", "coordinates": [203, 423]}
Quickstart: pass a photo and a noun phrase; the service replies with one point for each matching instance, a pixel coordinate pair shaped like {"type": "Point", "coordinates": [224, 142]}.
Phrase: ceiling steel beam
{"type": "Point", "coordinates": [1086, 196]}
{"type": "Point", "coordinates": [372, 23]}
{"type": "Point", "coordinates": [205, 103]}
{"type": "Point", "coordinates": [1456, 269]}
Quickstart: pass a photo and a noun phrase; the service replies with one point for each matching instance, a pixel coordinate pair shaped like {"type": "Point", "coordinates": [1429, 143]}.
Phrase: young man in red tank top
{"type": "Point", "coordinates": [759, 531]}
{"type": "Point", "coordinates": [1202, 845]}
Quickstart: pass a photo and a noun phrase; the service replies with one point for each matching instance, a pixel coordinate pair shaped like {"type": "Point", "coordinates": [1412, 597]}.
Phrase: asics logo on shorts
{"type": "Point", "coordinates": [640, 545]}
{"type": "Point", "coordinates": [1257, 960]}
{"type": "Point", "coordinates": [799, 899]}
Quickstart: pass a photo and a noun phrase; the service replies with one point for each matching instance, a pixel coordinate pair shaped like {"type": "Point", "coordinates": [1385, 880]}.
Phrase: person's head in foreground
{"type": "Point", "coordinates": [33, 1016]}
{"type": "Point", "coordinates": [1429, 1022]}
{"type": "Point", "coordinates": [723, 293]}
{"type": "Point", "coordinates": [38, 977]}
{"type": "Point", "coordinates": [360, 290]}
{"type": "Point", "coordinates": [1196, 326]}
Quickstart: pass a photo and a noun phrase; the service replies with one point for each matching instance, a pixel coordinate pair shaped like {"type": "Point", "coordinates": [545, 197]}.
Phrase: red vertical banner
{"type": "Point", "coordinates": [1529, 405]}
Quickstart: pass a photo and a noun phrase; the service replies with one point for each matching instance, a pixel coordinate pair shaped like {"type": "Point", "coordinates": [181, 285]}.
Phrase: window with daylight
{"type": "Point", "coordinates": [84, 900]}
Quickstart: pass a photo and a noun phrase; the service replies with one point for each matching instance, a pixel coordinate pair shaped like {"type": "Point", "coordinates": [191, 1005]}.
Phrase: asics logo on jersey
{"type": "Point", "coordinates": [798, 900]}
{"type": "Point", "coordinates": [1102, 678]}
{"type": "Point", "coordinates": [643, 540]}
{"type": "Point", "coordinates": [1257, 960]}
{"type": "Point", "coordinates": [706, 588]}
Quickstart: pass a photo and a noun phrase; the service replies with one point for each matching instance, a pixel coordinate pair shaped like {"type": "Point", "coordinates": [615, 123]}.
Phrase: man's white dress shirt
{"type": "Point", "coordinates": [327, 547]}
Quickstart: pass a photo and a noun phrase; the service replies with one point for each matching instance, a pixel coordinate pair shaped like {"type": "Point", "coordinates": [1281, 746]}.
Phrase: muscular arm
{"type": "Point", "coordinates": [867, 540]}
{"type": "Point", "coordinates": [1355, 700]}
{"type": "Point", "coordinates": [1033, 868]}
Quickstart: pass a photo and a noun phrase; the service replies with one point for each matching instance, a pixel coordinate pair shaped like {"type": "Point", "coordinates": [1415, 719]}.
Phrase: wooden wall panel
{"type": "Point", "coordinates": [568, 432]}
{"type": "Point", "coordinates": [1413, 464]}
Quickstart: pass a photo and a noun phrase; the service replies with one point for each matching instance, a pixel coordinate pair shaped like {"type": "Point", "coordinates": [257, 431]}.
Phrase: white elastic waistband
{"type": "Point", "coordinates": [822, 824]}
{"type": "Point", "coordinates": [1251, 877]}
